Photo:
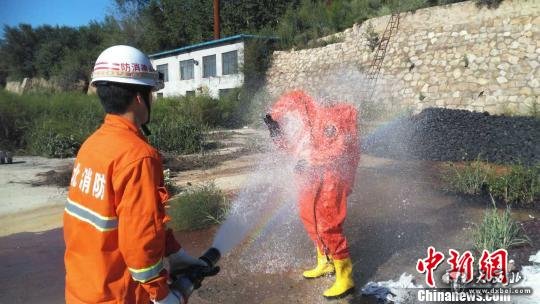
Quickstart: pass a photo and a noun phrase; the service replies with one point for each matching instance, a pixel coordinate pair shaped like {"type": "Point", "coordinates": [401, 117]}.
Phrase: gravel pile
{"type": "Point", "coordinates": [454, 135]}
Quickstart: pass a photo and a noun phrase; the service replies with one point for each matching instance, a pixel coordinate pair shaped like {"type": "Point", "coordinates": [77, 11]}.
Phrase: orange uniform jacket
{"type": "Point", "coordinates": [114, 220]}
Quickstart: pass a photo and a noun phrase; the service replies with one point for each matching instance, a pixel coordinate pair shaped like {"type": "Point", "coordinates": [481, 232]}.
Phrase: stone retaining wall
{"type": "Point", "coordinates": [457, 56]}
{"type": "Point", "coordinates": [40, 84]}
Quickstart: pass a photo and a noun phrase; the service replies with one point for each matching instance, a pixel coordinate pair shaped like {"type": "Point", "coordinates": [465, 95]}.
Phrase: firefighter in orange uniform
{"type": "Point", "coordinates": [324, 139]}
{"type": "Point", "coordinates": [114, 221]}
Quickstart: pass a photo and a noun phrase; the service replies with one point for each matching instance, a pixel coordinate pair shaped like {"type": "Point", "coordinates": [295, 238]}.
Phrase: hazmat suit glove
{"type": "Point", "coordinates": [273, 126]}
{"type": "Point", "coordinates": [182, 260]}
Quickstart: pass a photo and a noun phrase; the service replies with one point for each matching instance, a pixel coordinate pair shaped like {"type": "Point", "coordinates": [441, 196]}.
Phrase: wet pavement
{"type": "Point", "coordinates": [32, 267]}
{"type": "Point", "coordinates": [396, 211]}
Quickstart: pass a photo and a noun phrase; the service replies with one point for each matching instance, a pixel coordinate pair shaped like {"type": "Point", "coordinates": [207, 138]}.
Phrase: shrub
{"type": "Point", "coordinates": [520, 185]}
{"type": "Point", "coordinates": [13, 121]}
{"type": "Point", "coordinates": [469, 179]}
{"type": "Point", "coordinates": [56, 124]}
{"type": "Point", "coordinates": [498, 230]}
{"type": "Point", "coordinates": [257, 60]}
{"type": "Point", "coordinates": [198, 208]}
{"type": "Point", "coordinates": [48, 124]}
{"type": "Point", "coordinates": [231, 110]}
{"type": "Point", "coordinates": [176, 135]}
{"type": "Point", "coordinates": [371, 37]}
{"type": "Point", "coordinates": [489, 3]}
{"type": "Point", "coordinates": [52, 138]}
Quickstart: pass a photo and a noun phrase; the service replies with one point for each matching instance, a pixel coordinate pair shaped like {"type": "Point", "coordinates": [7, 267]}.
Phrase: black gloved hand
{"type": "Point", "coordinates": [202, 272]}
{"type": "Point", "coordinates": [194, 274]}
{"type": "Point", "coordinates": [273, 126]}
{"type": "Point", "coordinates": [182, 287]}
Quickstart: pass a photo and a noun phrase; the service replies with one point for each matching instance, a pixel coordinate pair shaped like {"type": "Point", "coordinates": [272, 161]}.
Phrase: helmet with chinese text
{"type": "Point", "coordinates": [126, 64]}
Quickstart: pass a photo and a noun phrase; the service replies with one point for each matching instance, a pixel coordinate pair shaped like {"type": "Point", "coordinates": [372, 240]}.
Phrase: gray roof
{"type": "Point", "coordinates": [208, 44]}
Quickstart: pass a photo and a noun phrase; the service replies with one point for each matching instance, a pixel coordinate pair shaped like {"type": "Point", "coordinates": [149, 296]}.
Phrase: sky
{"type": "Point", "coordinates": [53, 12]}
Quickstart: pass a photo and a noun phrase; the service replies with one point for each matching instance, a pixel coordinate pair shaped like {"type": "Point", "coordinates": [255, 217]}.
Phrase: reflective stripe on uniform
{"type": "Point", "coordinates": [144, 275]}
{"type": "Point", "coordinates": [100, 222]}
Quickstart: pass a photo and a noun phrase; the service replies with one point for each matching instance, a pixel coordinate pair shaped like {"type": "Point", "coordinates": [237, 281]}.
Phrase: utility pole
{"type": "Point", "coordinates": [217, 27]}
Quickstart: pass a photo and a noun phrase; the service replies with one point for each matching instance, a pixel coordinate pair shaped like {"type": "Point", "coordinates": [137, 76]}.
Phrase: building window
{"type": "Point", "coordinates": [209, 66]}
{"type": "Point", "coordinates": [163, 68]}
{"type": "Point", "coordinates": [186, 69]}
{"type": "Point", "coordinates": [230, 62]}
{"type": "Point", "coordinates": [190, 93]}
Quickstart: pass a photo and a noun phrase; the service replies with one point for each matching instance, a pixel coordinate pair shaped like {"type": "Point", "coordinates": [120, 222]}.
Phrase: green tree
{"type": "Point", "coordinates": [65, 54]}
{"type": "Point", "coordinates": [18, 47]}
{"type": "Point", "coordinates": [51, 47]}
{"type": "Point", "coordinates": [164, 24]}
{"type": "Point", "coordinates": [3, 66]}
{"type": "Point", "coordinates": [252, 16]}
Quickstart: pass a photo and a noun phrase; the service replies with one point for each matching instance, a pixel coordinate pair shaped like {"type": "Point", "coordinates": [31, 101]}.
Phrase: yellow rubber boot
{"type": "Point", "coordinates": [324, 267]}
{"type": "Point", "coordinates": [344, 284]}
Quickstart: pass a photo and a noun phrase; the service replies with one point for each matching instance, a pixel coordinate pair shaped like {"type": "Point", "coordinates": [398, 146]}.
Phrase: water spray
{"type": "Point", "coordinates": [269, 197]}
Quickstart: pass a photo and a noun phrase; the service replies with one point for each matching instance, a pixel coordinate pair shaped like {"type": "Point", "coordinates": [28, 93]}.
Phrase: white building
{"type": "Point", "coordinates": [213, 66]}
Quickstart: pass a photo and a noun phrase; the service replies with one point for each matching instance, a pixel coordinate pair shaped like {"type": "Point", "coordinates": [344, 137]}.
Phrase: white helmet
{"type": "Point", "coordinates": [126, 64]}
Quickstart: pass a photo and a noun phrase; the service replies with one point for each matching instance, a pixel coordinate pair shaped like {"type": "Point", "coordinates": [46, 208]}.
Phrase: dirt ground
{"type": "Point", "coordinates": [396, 211]}
{"type": "Point", "coordinates": [27, 202]}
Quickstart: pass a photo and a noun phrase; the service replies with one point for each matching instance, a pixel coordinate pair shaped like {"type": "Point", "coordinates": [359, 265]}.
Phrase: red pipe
{"type": "Point", "coordinates": [217, 27]}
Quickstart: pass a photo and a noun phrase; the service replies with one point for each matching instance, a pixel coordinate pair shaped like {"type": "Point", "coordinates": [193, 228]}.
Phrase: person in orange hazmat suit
{"type": "Point", "coordinates": [324, 139]}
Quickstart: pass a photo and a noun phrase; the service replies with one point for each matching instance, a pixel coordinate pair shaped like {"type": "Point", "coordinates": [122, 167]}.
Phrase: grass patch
{"type": "Point", "coordinates": [498, 230]}
{"type": "Point", "coordinates": [198, 208]}
{"type": "Point", "coordinates": [47, 124]}
{"type": "Point", "coordinates": [516, 185]}
{"type": "Point", "coordinates": [469, 179]}
{"type": "Point", "coordinates": [519, 185]}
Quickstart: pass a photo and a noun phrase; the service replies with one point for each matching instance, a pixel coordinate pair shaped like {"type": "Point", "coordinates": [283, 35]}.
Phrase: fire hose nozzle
{"type": "Point", "coordinates": [211, 256]}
